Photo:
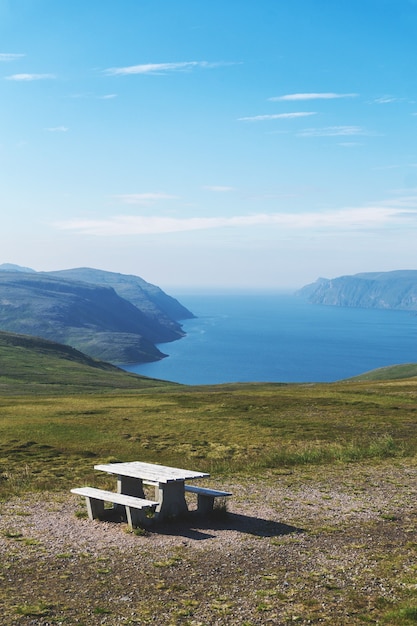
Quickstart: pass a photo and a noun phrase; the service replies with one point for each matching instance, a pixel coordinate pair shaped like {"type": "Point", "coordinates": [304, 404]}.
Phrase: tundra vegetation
{"type": "Point", "coordinates": [321, 527]}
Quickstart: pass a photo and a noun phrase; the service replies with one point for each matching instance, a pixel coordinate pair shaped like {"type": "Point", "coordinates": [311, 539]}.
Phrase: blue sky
{"type": "Point", "coordinates": [210, 144]}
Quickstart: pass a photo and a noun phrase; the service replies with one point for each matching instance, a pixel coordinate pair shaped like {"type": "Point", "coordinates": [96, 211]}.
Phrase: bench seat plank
{"type": "Point", "coordinates": [112, 496]}
{"type": "Point", "coordinates": [204, 491]}
{"type": "Point", "coordinates": [205, 497]}
{"type": "Point", "coordinates": [135, 507]}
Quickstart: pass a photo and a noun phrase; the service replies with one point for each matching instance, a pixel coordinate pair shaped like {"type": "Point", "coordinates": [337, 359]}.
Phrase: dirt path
{"type": "Point", "coordinates": [324, 545]}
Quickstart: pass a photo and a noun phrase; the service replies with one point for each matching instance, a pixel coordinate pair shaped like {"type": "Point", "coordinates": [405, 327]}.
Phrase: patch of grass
{"type": "Point", "coordinates": [99, 610]}
{"type": "Point", "coordinates": [389, 517]}
{"type": "Point", "coordinates": [222, 606]}
{"type": "Point", "coordinates": [64, 555]}
{"type": "Point", "coordinates": [29, 541]}
{"type": "Point", "coordinates": [33, 610]}
{"type": "Point", "coordinates": [13, 534]}
{"type": "Point", "coordinates": [402, 616]}
{"type": "Point", "coordinates": [173, 560]}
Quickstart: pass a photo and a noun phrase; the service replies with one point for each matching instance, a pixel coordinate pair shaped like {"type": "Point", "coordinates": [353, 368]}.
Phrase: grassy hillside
{"type": "Point", "coordinates": [61, 412]}
{"type": "Point", "coordinates": [33, 366]}
{"type": "Point", "coordinates": [406, 370]}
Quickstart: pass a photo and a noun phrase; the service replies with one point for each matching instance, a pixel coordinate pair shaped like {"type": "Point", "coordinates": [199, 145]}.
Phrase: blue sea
{"type": "Point", "coordinates": [277, 337]}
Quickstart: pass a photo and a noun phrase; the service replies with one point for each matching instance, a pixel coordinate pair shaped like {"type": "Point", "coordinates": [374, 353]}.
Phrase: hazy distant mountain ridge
{"type": "Point", "coordinates": [379, 290]}
{"type": "Point", "coordinates": [148, 298]}
{"type": "Point", "coordinates": [70, 308]}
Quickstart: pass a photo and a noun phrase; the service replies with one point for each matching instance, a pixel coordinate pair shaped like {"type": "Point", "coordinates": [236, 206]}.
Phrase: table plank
{"type": "Point", "coordinates": [150, 471]}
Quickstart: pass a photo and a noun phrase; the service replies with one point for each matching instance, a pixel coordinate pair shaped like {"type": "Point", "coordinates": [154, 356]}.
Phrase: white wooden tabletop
{"type": "Point", "coordinates": [150, 471]}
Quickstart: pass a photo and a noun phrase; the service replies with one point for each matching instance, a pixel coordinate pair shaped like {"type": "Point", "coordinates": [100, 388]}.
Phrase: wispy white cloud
{"type": "Point", "coordinates": [30, 77]}
{"type": "Point", "coordinates": [312, 96]}
{"type": "Point", "coordinates": [144, 199]}
{"type": "Point", "coordinates": [276, 116]}
{"type": "Point", "coordinates": [406, 201]}
{"type": "Point", "coordinates": [87, 95]}
{"type": "Point", "coordinates": [385, 215]}
{"type": "Point", "coordinates": [387, 100]}
{"type": "Point", "coordinates": [161, 68]}
{"type": "Point", "coordinates": [349, 144]}
{"type": "Point", "coordinates": [9, 56]}
{"type": "Point", "coordinates": [218, 188]}
{"type": "Point", "coordinates": [57, 129]}
{"type": "Point", "coordinates": [333, 131]}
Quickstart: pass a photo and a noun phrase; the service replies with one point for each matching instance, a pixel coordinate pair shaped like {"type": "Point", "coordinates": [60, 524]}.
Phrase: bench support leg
{"type": "Point", "coordinates": [135, 517]}
{"type": "Point", "coordinates": [95, 508]}
{"type": "Point", "coordinates": [205, 504]}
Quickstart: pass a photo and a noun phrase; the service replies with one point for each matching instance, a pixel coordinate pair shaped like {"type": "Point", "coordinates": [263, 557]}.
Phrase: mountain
{"type": "Point", "coordinates": [379, 290]}
{"type": "Point", "coordinates": [11, 267]}
{"type": "Point", "coordinates": [70, 308]}
{"type": "Point", "coordinates": [148, 298]}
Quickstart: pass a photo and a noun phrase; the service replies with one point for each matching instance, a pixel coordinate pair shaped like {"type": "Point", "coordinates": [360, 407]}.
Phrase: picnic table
{"type": "Point", "coordinates": [169, 484]}
{"type": "Point", "coordinates": [170, 488]}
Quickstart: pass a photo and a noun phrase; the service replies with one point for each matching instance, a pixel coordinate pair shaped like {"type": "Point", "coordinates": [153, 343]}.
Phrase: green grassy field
{"type": "Point", "coordinates": [53, 441]}
{"type": "Point", "coordinates": [61, 412]}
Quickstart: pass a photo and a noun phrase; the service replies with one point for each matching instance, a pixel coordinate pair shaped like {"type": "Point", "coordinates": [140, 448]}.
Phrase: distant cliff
{"type": "Point", "coordinates": [379, 290]}
{"type": "Point", "coordinates": [113, 317]}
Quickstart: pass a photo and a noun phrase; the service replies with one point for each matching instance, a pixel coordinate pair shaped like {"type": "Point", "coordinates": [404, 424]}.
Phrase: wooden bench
{"type": "Point", "coordinates": [205, 497]}
{"type": "Point", "coordinates": [135, 508]}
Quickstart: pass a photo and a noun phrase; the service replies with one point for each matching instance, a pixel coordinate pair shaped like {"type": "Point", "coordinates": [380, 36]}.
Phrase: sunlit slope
{"type": "Point", "coordinates": [391, 372]}
{"type": "Point", "coordinates": [61, 412]}
{"type": "Point", "coordinates": [34, 365]}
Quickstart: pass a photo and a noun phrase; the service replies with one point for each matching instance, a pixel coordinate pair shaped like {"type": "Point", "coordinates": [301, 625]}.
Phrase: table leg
{"type": "Point", "coordinates": [130, 486]}
{"type": "Point", "coordinates": [171, 500]}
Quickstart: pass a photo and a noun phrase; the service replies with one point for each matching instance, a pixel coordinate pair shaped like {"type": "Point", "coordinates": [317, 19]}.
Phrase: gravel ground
{"type": "Point", "coordinates": [324, 545]}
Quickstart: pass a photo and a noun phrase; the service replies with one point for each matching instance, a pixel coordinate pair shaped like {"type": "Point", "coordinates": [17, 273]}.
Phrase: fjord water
{"type": "Point", "coordinates": [276, 337]}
